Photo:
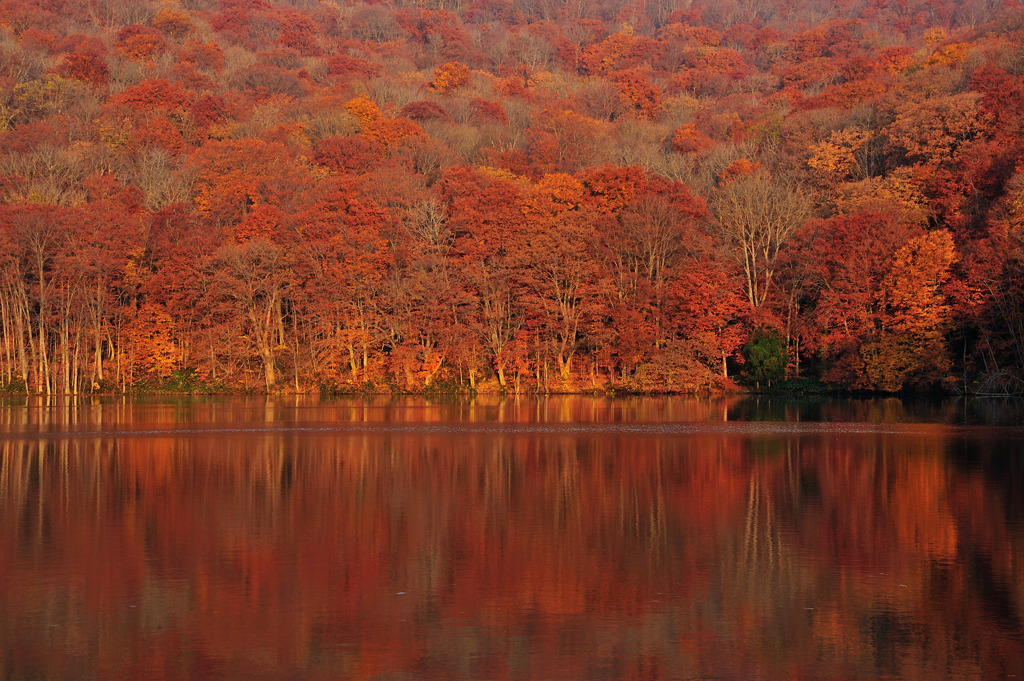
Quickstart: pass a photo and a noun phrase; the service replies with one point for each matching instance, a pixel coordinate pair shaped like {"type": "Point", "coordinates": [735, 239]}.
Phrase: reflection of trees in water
{"type": "Point", "coordinates": [763, 551]}
{"type": "Point", "coordinates": [995, 411]}
{"type": "Point", "coordinates": [597, 554]}
{"type": "Point", "coordinates": [892, 528]}
{"type": "Point", "coordinates": [773, 593]}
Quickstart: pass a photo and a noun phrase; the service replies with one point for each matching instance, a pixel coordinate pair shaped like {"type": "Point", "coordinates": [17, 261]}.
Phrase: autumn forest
{"type": "Point", "coordinates": [511, 195]}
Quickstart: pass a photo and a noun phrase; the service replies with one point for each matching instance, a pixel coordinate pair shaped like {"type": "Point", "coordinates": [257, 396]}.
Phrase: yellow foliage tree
{"type": "Point", "coordinates": [173, 23]}
{"type": "Point", "coordinates": [949, 54]}
{"type": "Point", "coordinates": [151, 347]}
{"type": "Point", "coordinates": [934, 130]}
{"type": "Point", "coordinates": [840, 157]}
{"type": "Point", "coordinates": [364, 109]}
{"type": "Point", "coordinates": [450, 77]}
{"type": "Point", "coordinates": [933, 36]}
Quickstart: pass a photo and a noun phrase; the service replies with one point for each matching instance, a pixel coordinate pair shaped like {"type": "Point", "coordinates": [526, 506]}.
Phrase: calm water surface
{"type": "Point", "coordinates": [566, 538]}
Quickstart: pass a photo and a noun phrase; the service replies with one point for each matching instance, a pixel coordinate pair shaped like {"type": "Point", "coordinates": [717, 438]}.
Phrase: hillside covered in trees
{"type": "Point", "coordinates": [511, 194]}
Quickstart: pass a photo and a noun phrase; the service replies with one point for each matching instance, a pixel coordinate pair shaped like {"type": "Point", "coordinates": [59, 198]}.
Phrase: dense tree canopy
{"type": "Point", "coordinates": [510, 195]}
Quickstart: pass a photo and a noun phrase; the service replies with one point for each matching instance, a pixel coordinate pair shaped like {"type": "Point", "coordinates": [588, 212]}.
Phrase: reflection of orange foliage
{"type": "Point", "coordinates": [398, 547]}
{"type": "Point", "coordinates": [920, 510]}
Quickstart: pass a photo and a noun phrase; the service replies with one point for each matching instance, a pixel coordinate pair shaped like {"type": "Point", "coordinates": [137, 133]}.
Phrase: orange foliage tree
{"type": "Point", "coordinates": [236, 118]}
{"type": "Point", "coordinates": [364, 109]}
{"type": "Point", "coordinates": [235, 175]}
{"type": "Point", "coordinates": [914, 316]}
{"type": "Point", "coordinates": [450, 77]}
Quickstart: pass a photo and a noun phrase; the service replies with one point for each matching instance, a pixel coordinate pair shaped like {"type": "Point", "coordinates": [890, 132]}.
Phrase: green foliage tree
{"type": "Point", "coordinates": [766, 356]}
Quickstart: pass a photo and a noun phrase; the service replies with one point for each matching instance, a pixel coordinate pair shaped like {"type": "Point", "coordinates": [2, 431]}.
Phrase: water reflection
{"type": "Point", "coordinates": [267, 549]}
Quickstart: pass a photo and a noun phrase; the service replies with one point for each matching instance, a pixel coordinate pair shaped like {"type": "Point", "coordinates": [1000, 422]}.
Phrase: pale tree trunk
{"type": "Point", "coordinates": [7, 330]}
{"type": "Point", "coordinates": [758, 214]}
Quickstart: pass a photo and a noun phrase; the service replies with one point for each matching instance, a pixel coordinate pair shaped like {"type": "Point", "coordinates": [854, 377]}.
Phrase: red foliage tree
{"type": "Point", "coordinates": [90, 67]}
{"type": "Point", "coordinates": [139, 43]}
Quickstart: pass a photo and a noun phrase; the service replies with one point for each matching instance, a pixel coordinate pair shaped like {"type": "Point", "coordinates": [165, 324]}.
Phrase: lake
{"type": "Point", "coordinates": [552, 538]}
